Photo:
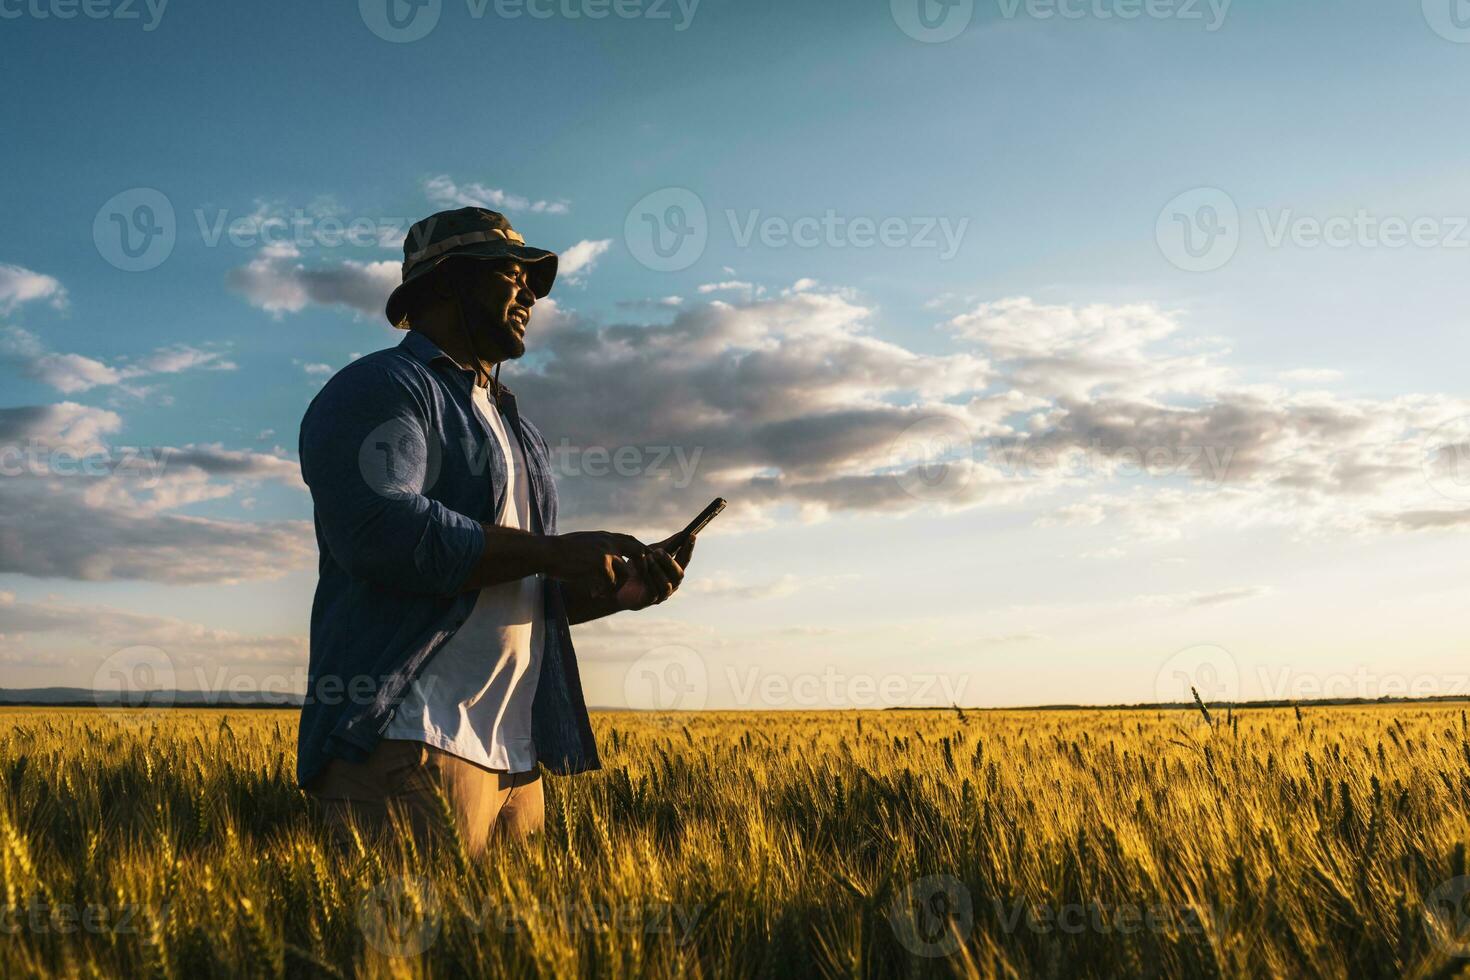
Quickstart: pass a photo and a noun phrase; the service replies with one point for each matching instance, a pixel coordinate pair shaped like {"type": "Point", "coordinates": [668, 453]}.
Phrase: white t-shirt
{"type": "Point", "coordinates": [473, 698]}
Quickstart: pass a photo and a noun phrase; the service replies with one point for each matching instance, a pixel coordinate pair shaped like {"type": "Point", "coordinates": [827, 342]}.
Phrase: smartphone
{"type": "Point", "coordinates": [699, 523]}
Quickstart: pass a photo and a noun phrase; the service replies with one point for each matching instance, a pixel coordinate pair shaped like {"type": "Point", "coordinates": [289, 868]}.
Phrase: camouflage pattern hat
{"type": "Point", "coordinates": [473, 232]}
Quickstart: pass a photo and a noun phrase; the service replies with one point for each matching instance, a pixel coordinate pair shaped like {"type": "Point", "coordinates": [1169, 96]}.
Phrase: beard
{"type": "Point", "coordinates": [493, 336]}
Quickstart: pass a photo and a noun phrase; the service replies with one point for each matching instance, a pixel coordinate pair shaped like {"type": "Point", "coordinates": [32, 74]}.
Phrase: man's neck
{"type": "Point", "coordinates": [454, 345]}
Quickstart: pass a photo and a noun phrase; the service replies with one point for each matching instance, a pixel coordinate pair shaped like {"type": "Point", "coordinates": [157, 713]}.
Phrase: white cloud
{"type": "Point", "coordinates": [19, 286]}
{"type": "Point", "coordinates": [443, 192]}
{"type": "Point", "coordinates": [55, 633]}
{"type": "Point", "coordinates": [749, 289]}
{"type": "Point", "coordinates": [180, 357]}
{"type": "Point", "coordinates": [1310, 376]}
{"type": "Point", "coordinates": [792, 409]}
{"type": "Point", "coordinates": [74, 373]}
{"type": "Point", "coordinates": [1218, 597]}
{"type": "Point", "coordinates": [73, 505]}
{"type": "Point", "coordinates": [784, 403]}
{"type": "Point", "coordinates": [70, 373]}
{"type": "Point", "coordinates": [278, 282]}
{"type": "Point", "coordinates": [575, 262]}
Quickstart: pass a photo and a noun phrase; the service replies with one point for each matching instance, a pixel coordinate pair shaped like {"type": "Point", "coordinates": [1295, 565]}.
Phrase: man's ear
{"type": "Point", "coordinates": [451, 280]}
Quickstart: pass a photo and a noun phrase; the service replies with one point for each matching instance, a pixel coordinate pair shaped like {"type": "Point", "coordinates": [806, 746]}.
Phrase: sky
{"type": "Point", "coordinates": [1047, 351]}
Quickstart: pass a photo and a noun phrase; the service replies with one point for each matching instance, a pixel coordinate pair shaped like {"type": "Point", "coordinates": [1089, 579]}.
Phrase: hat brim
{"type": "Point", "coordinates": [540, 271]}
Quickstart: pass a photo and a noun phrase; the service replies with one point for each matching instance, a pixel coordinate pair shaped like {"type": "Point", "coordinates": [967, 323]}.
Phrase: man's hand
{"type": "Point", "coordinates": [594, 559]}
{"type": "Point", "coordinates": [648, 580]}
{"type": "Point", "coordinates": [655, 576]}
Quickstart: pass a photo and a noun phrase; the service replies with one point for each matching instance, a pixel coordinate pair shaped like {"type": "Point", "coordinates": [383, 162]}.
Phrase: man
{"type": "Point", "coordinates": [442, 667]}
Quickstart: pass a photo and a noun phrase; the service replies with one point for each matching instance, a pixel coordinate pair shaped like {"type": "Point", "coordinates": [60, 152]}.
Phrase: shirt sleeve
{"type": "Point", "coordinates": [369, 454]}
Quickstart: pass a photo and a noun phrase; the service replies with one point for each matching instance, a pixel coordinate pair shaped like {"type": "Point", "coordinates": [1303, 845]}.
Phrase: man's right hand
{"type": "Point", "coordinates": [593, 558]}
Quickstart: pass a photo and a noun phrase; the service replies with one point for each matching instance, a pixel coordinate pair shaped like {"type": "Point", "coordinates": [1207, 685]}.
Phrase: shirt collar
{"type": "Point", "coordinates": [428, 352]}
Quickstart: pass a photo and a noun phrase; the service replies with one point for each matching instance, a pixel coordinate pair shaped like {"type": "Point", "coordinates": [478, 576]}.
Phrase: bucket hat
{"type": "Point", "coordinates": [472, 232]}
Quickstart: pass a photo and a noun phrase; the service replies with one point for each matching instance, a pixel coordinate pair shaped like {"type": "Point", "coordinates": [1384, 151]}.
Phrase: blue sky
{"type": "Point", "coordinates": [1057, 317]}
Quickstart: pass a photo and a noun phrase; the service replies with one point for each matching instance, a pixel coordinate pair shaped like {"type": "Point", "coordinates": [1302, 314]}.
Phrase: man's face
{"type": "Point", "coordinates": [497, 300]}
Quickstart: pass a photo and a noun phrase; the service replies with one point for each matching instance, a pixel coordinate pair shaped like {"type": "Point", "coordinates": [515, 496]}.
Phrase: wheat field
{"type": "Point", "coordinates": [174, 843]}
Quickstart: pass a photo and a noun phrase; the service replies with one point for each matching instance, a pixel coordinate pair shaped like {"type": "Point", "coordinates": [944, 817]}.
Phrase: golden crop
{"type": "Point", "coordinates": [897, 843]}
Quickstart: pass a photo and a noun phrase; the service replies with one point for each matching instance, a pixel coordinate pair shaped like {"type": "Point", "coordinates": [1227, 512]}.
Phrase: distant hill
{"type": "Point", "coordinates": [82, 697]}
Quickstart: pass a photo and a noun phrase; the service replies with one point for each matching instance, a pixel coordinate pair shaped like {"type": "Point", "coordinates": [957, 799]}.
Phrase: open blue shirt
{"type": "Point", "coordinates": [402, 473]}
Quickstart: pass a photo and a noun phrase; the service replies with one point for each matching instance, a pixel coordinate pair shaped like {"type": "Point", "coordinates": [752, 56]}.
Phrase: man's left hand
{"type": "Point", "coordinates": [656, 576]}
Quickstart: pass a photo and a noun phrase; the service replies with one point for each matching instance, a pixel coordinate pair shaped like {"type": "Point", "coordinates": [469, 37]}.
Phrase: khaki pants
{"type": "Point", "coordinates": [406, 777]}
